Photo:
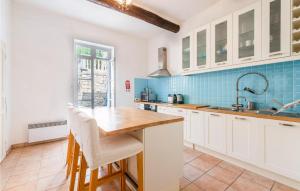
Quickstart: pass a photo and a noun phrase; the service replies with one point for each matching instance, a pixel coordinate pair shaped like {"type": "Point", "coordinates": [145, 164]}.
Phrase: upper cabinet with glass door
{"type": "Point", "coordinates": [276, 28]}
{"type": "Point", "coordinates": [186, 46]}
{"type": "Point", "coordinates": [221, 42]}
{"type": "Point", "coordinates": [202, 48]}
{"type": "Point", "coordinates": [247, 34]}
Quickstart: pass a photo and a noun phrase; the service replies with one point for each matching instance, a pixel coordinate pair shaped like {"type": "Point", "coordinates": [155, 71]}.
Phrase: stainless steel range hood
{"type": "Point", "coordinates": [162, 65]}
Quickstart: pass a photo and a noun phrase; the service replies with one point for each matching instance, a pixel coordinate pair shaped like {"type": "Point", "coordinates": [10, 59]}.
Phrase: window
{"type": "Point", "coordinates": [94, 65]}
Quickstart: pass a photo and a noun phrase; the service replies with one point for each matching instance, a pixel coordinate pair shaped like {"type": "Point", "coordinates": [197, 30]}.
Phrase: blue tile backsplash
{"type": "Point", "coordinates": [218, 88]}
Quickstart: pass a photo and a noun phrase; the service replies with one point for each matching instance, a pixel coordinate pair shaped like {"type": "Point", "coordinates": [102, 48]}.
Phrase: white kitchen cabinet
{"type": "Point", "coordinates": [247, 34]}
{"type": "Point", "coordinates": [164, 110]}
{"type": "Point", "coordinates": [197, 127]}
{"type": "Point", "coordinates": [246, 139]}
{"type": "Point", "coordinates": [178, 112]}
{"type": "Point", "coordinates": [282, 148]}
{"type": "Point", "coordinates": [186, 129]}
{"type": "Point", "coordinates": [186, 48]}
{"type": "Point", "coordinates": [221, 42]}
{"type": "Point", "coordinates": [276, 22]}
{"type": "Point", "coordinates": [216, 133]}
{"type": "Point", "coordinates": [202, 47]}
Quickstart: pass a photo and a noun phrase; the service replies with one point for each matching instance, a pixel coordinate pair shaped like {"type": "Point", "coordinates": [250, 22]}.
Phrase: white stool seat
{"type": "Point", "coordinates": [99, 150]}
{"type": "Point", "coordinates": [117, 148]}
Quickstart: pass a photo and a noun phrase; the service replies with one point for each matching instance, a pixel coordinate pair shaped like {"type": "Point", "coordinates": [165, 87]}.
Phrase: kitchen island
{"type": "Point", "coordinates": [162, 136]}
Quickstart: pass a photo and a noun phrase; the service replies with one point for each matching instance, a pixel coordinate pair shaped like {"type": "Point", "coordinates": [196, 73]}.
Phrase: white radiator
{"type": "Point", "coordinates": [47, 131]}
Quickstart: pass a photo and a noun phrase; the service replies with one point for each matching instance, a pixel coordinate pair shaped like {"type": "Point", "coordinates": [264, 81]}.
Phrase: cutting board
{"type": "Point", "coordinates": [190, 106]}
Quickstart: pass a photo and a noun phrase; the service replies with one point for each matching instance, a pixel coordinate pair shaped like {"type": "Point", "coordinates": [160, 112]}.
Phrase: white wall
{"type": "Point", "coordinates": [5, 37]}
{"type": "Point", "coordinates": [43, 68]}
{"type": "Point", "coordinates": [172, 42]}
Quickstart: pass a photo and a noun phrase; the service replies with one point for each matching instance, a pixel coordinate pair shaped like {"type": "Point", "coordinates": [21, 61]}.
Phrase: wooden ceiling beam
{"type": "Point", "coordinates": [140, 13]}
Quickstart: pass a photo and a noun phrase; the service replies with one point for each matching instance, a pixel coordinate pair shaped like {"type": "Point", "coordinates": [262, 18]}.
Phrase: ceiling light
{"type": "Point", "coordinates": [124, 3]}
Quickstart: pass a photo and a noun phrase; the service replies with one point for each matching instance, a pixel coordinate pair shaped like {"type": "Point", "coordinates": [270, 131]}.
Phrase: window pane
{"type": "Point", "coordinates": [93, 75]}
{"type": "Point", "coordinates": [84, 82]}
{"type": "Point", "coordinates": [101, 82]}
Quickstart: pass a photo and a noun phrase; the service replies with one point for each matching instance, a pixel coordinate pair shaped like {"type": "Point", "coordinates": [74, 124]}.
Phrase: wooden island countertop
{"type": "Point", "coordinates": [114, 121]}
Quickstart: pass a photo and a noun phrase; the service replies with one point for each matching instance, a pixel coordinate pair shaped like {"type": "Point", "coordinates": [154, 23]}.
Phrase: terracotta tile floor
{"type": "Point", "coordinates": [205, 172]}
{"type": "Point", "coordinates": [41, 168]}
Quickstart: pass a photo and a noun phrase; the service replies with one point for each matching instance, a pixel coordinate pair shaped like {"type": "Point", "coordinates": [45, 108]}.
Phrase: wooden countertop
{"type": "Point", "coordinates": [252, 114]}
{"type": "Point", "coordinates": [245, 114]}
{"type": "Point", "coordinates": [114, 121]}
{"type": "Point", "coordinates": [183, 106]}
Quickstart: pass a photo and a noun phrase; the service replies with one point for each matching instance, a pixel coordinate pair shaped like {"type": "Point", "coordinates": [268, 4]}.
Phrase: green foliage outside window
{"type": "Point", "coordinates": [83, 51]}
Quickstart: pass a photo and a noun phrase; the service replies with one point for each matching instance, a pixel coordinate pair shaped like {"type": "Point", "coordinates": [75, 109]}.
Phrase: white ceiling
{"type": "Point", "coordinates": [174, 10]}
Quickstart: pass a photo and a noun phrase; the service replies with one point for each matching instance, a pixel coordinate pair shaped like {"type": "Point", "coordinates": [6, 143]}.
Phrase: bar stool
{"type": "Point", "coordinates": [73, 151]}
{"type": "Point", "coordinates": [100, 151]}
{"type": "Point", "coordinates": [71, 139]}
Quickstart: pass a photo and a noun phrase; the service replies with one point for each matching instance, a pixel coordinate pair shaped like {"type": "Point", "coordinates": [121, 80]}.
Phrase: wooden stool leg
{"type": "Point", "coordinates": [140, 169]}
{"type": "Point", "coordinates": [74, 166]}
{"type": "Point", "coordinates": [68, 148]}
{"type": "Point", "coordinates": [109, 169]}
{"type": "Point", "coordinates": [82, 173]}
{"type": "Point", "coordinates": [69, 154]}
{"type": "Point", "coordinates": [93, 180]}
{"type": "Point", "coordinates": [123, 178]}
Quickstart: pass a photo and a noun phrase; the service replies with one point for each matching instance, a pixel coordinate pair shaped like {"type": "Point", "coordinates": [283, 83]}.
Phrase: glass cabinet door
{"type": "Point", "coordinates": [276, 28]}
{"type": "Point", "coordinates": [247, 34]}
{"type": "Point", "coordinates": [202, 46]}
{"type": "Point", "coordinates": [221, 42]}
{"type": "Point", "coordinates": [186, 53]}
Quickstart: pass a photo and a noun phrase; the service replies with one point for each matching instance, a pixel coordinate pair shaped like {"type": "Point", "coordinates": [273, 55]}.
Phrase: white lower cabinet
{"type": "Point", "coordinates": [178, 112]}
{"type": "Point", "coordinates": [269, 144]}
{"type": "Point", "coordinates": [197, 125]}
{"type": "Point", "coordinates": [245, 139]}
{"type": "Point", "coordinates": [215, 128]}
{"type": "Point", "coordinates": [282, 142]}
{"type": "Point", "coordinates": [186, 129]}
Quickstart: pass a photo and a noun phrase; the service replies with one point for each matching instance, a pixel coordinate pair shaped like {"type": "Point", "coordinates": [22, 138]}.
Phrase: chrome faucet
{"type": "Point", "coordinates": [237, 106]}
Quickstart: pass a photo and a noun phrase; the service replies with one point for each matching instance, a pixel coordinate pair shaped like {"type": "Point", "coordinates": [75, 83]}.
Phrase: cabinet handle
{"type": "Point", "coordinates": [287, 125]}
{"type": "Point", "coordinates": [215, 115]}
{"type": "Point", "coordinates": [195, 112]}
{"type": "Point", "coordinates": [240, 118]}
{"type": "Point", "coordinates": [246, 59]}
{"type": "Point", "coordinates": [276, 54]}
{"type": "Point", "coordinates": [179, 110]}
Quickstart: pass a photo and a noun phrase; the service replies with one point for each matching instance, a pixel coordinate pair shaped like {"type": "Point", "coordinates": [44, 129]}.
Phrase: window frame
{"type": "Point", "coordinates": [112, 70]}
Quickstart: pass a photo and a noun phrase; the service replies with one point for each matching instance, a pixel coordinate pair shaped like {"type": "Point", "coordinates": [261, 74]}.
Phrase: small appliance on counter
{"type": "Point", "coordinates": [172, 98]}
{"type": "Point", "coordinates": [148, 95]}
{"type": "Point", "coordinates": [175, 98]}
{"type": "Point", "coordinates": [180, 99]}
{"type": "Point", "coordinates": [145, 95]}
{"type": "Point", "coordinates": [152, 97]}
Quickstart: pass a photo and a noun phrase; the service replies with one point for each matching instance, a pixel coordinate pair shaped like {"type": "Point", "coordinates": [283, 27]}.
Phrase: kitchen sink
{"type": "Point", "coordinates": [263, 112]}
{"type": "Point", "coordinates": [220, 108]}
{"type": "Point", "coordinates": [283, 114]}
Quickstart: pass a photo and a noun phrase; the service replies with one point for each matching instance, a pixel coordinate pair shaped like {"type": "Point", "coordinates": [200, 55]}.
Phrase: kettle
{"type": "Point", "coordinates": [180, 99]}
{"type": "Point", "coordinates": [172, 98]}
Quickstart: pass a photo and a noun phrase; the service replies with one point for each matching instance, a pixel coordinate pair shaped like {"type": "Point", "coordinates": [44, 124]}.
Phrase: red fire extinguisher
{"type": "Point", "coordinates": [127, 86]}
